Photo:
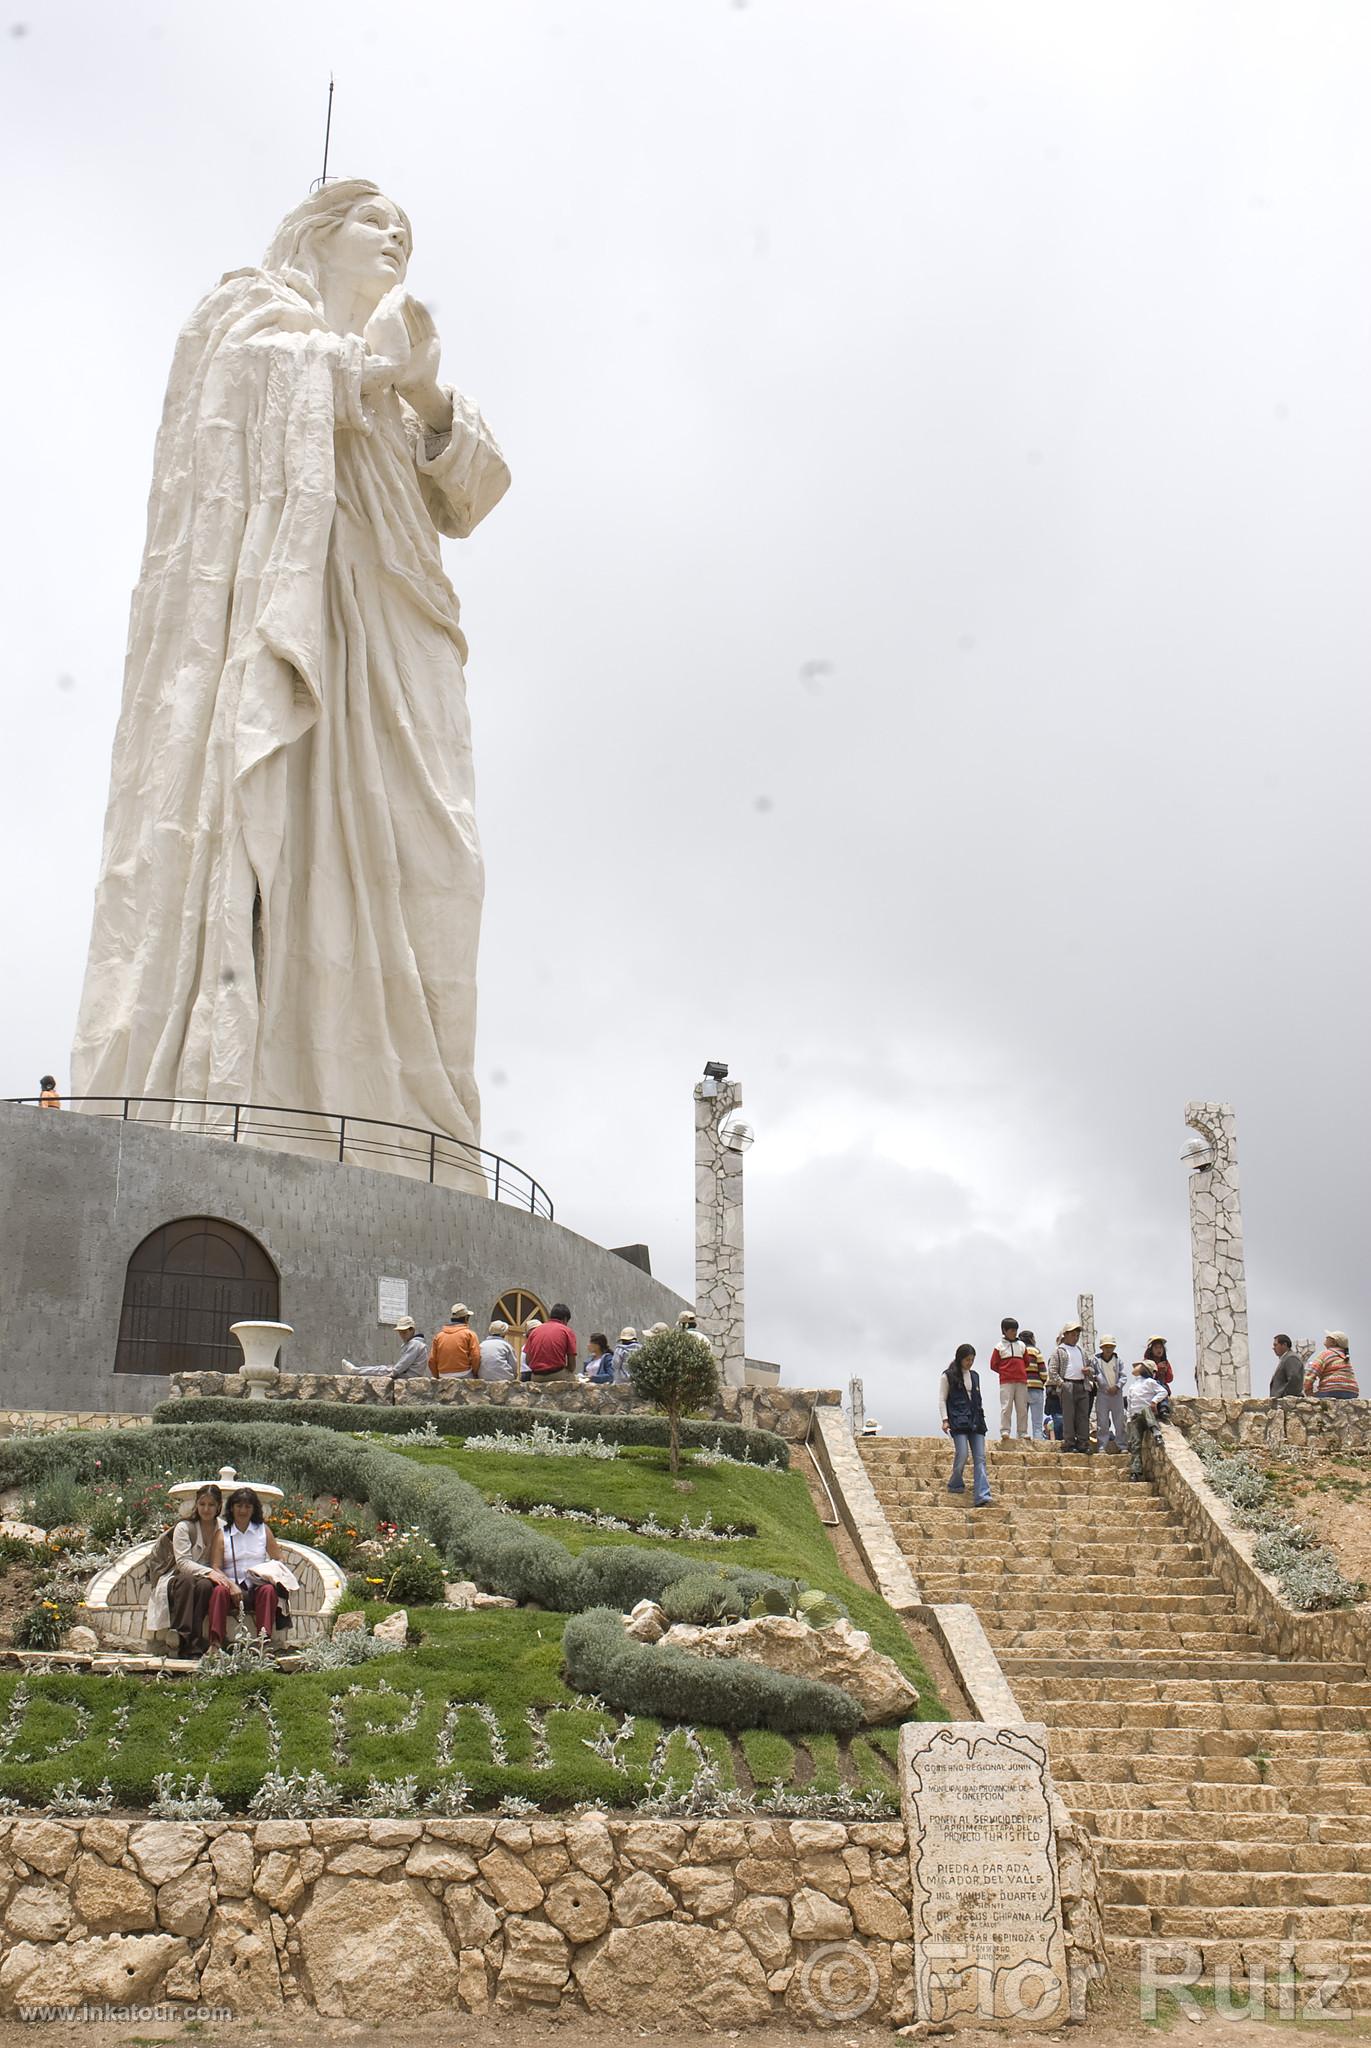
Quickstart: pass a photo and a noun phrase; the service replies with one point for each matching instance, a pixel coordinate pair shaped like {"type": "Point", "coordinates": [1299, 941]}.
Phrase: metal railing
{"type": "Point", "coordinates": [409, 1149]}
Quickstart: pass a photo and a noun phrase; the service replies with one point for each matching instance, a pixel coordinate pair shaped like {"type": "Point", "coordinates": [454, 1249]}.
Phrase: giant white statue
{"type": "Point", "coordinates": [290, 889]}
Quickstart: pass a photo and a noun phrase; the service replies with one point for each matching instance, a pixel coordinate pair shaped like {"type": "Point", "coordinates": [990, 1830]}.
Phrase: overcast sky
{"type": "Point", "coordinates": [923, 657]}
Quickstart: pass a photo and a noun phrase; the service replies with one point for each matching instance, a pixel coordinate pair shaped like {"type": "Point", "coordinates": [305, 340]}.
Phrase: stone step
{"type": "Point", "coordinates": [1094, 1792]}
{"type": "Point", "coordinates": [1260, 1668]}
{"type": "Point", "coordinates": [1143, 1634]}
{"type": "Point", "coordinates": [1119, 1718]}
{"type": "Point", "coordinates": [1205, 1853]}
{"type": "Point", "coordinates": [1244, 1923]}
{"type": "Point", "coordinates": [1179, 1829]}
{"type": "Point", "coordinates": [1123, 1690]}
{"type": "Point", "coordinates": [1188, 1609]}
{"type": "Point", "coordinates": [1279, 1774]}
{"type": "Point", "coordinates": [1279, 1744]}
{"type": "Point", "coordinates": [1228, 1964]}
{"type": "Point", "coordinates": [1206, 1886]}
{"type": "Point", "coordinates": [1011, 1584]}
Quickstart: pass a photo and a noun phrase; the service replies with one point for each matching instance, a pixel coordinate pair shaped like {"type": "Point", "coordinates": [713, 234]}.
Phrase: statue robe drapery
{"type": "Point", "coordinates": [290, 892]}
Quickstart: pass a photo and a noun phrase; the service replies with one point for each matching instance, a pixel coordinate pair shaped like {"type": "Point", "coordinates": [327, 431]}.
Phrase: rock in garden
{"type": "Point", "coordinates": [82, 1639]}
{"type": "Point", "coordinates": [646, 1623]}
{"type": "Point", "coordinates": [348, 1624]}
{"type": "Point", "coordinates": [840, 1655]}
{"type": "Point", "coordinates": [394, 1629]}
{"type": "Point", "coordinates": [493, 1600]}
{"type": "Point", "coordinates": [461, 1593]}
{"type": "Point", "coordinates": [23, 1532]}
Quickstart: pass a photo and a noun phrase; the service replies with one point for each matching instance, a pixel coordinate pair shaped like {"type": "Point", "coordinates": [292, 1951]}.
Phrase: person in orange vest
{"type": "Point", "coordinates": [49, 1098]}
{"type": "Point", "coordinates": [456, 1347]}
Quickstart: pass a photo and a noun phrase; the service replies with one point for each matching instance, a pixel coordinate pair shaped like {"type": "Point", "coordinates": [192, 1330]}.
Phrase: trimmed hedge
{"type": "Point", "coordinates": [672, 1685]}
{"type": "Point", "coordinates": [757, 1446]}
{"type": "Point", "coordinates": [495, 1549]}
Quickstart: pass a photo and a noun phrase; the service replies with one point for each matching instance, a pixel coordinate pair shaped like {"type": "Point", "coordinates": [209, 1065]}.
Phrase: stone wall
{"type": "Point", "coordinates": [717, 1923]}
{"type": "Point", "coordinates": [46, 1421]}
{"type": "Point", "coordinates": [78, 1194]}
{"type": "Point", "coordinates": [1339, 1635]}
{"type": "Point", "coordinates": [1328, 1426]}
{"type": "Point", "coordinates": [786, 1410]}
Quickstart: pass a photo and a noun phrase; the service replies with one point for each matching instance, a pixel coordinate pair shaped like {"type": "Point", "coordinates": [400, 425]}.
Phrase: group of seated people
{"type": "Point", "coordinates": [218, 1559]}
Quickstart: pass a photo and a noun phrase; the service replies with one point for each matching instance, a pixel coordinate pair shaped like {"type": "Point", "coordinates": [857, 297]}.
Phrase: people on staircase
{"type": "Point", "coordinates": [1035, 1374]}
{"type": "Point", "coordinates": [1287, 1381]}
{"type": "Point", "coordinates": [1109, 1397]}
{"type": "Point", "coordinates": [963, 1419]}
{"type": "Point", "coordinates": [1143, 1396]}
{"type": "Point", "coordinates": [1074, 1375]}
{"type": "Point", "coordinates": [1329, 1373]}
{"type": "Point", "coordinates": [1154, 1354]}
{"type": "Point", "coordinates": [1009, 1364]}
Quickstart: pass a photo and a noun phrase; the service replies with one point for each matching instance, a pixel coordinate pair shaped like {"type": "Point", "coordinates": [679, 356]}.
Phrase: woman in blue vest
{"type": "Point", "coordinates": [963, 1418]}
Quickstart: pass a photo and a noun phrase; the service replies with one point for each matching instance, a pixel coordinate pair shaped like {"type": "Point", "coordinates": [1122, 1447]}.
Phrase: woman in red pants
{"type": "Point", "coordinates": [248, 1543]}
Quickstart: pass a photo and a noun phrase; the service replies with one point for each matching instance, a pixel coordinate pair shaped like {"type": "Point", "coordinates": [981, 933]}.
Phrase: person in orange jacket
{"type": "Point", "coordinates": [455, 1348]}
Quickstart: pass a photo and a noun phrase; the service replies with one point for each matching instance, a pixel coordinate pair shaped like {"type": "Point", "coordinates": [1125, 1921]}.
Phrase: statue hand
{"type": "Point", "coordinates": [418, 382]}
{"type": "Point", "coordinates": [387, 341]}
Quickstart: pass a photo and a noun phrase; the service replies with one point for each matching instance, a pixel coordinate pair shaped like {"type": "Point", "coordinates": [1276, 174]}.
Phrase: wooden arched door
{"type": "Point", "coordinates": [185, 1286]}
{"type": "Point", "coordinates": [518, 1307]}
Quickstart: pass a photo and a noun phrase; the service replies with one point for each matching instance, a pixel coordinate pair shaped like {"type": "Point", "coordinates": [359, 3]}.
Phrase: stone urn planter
{"type": "Point", "coordinates": [261, 1342]}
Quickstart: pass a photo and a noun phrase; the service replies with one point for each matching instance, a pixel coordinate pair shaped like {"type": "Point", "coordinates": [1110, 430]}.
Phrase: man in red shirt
{"type": "Point", "coordinates": [551, 1347]}
{"type": "Point", "coordinates": [1009, 1360]}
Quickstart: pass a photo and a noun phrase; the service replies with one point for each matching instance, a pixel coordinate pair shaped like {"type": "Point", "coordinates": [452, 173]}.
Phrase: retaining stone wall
{"type": "Point", "coordinates": [786, 1410]}
{"type": "Point", "coordinates": [1340, 1635]}
{"type": "Point", "coordinates": [1329, 1426]}
{"type": "Point", "coordinates": [722, 1923]}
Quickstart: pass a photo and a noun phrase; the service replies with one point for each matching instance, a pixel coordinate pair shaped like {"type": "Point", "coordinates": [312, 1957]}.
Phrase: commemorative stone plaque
{"type": "Point", "coordinates": [989, 1943]}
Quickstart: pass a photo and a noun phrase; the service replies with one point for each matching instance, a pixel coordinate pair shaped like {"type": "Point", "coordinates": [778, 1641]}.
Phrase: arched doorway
{"type": "Point", "coordinates": [518, 1307]}
{"type": "Point", "coordinates": [185, 1285]}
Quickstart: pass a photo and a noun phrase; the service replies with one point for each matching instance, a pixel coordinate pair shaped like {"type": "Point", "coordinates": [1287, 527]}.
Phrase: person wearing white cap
{"type": "Point", "coordinates": [687, 1321]}
{"type": "Point", "coordinates": [413, 1358]}
{"type": "Point", "coordinates": [497, 1355]}
{"type": "Point", "coordinates": [1109, 1397]}
{"type": "Point", "coordinates": [456, 1350]}
{"type": "Point", "coordinates": [1070, 1370]}
{"type": "Point", "coordinates": [628, 1343]}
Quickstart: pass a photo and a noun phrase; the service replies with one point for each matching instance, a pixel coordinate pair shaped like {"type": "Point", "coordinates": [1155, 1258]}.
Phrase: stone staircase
{"type": "Point", "coordinates": [1229, 1793]}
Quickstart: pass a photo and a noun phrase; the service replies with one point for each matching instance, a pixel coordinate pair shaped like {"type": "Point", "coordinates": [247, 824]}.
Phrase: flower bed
{"type": "Point", "coordinates": [486, 1716]}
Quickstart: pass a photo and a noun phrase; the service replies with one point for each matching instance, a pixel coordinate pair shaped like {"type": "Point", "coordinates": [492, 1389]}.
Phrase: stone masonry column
{"type": "Point", "coordinates": [1222, 1361]}
{"type": "Point", "coordinates": [1085, 1309]}
{"type": "Point", "coordinates": [719, 1227]}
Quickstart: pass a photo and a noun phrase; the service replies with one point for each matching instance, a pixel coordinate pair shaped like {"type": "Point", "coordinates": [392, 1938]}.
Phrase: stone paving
{"type": "Point", "coordinates": [1228, 1790]}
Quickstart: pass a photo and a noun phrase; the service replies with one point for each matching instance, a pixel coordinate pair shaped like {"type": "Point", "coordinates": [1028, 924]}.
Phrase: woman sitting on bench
{"type": "Point", "coordinates": [256, 1577]}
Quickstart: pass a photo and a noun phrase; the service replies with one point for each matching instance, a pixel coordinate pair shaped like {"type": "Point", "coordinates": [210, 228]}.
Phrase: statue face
{"type": "Point", "coordinates": [367, 250]}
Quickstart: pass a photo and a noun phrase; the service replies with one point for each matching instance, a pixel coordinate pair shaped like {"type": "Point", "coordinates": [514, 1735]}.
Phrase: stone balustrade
{"type": "Point", "coordinates": [1328, 1426]}
{"type": "Point", "coordinates": [786, 1410]}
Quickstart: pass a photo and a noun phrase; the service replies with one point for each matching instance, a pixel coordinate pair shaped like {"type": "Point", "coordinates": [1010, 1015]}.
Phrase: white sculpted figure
{"type": "Point", "coordinates": [291, 881]}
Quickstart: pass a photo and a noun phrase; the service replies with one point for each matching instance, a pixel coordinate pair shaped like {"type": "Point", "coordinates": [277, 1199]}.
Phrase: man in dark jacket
{"type": "Point", "coordinates": [963, 1419]}
{"type": "Point", "coordinates": [1287, 1381]}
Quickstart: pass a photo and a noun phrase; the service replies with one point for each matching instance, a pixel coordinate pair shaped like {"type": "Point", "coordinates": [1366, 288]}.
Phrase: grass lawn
{"type": "Point", "coordinates": [482, 1693]}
